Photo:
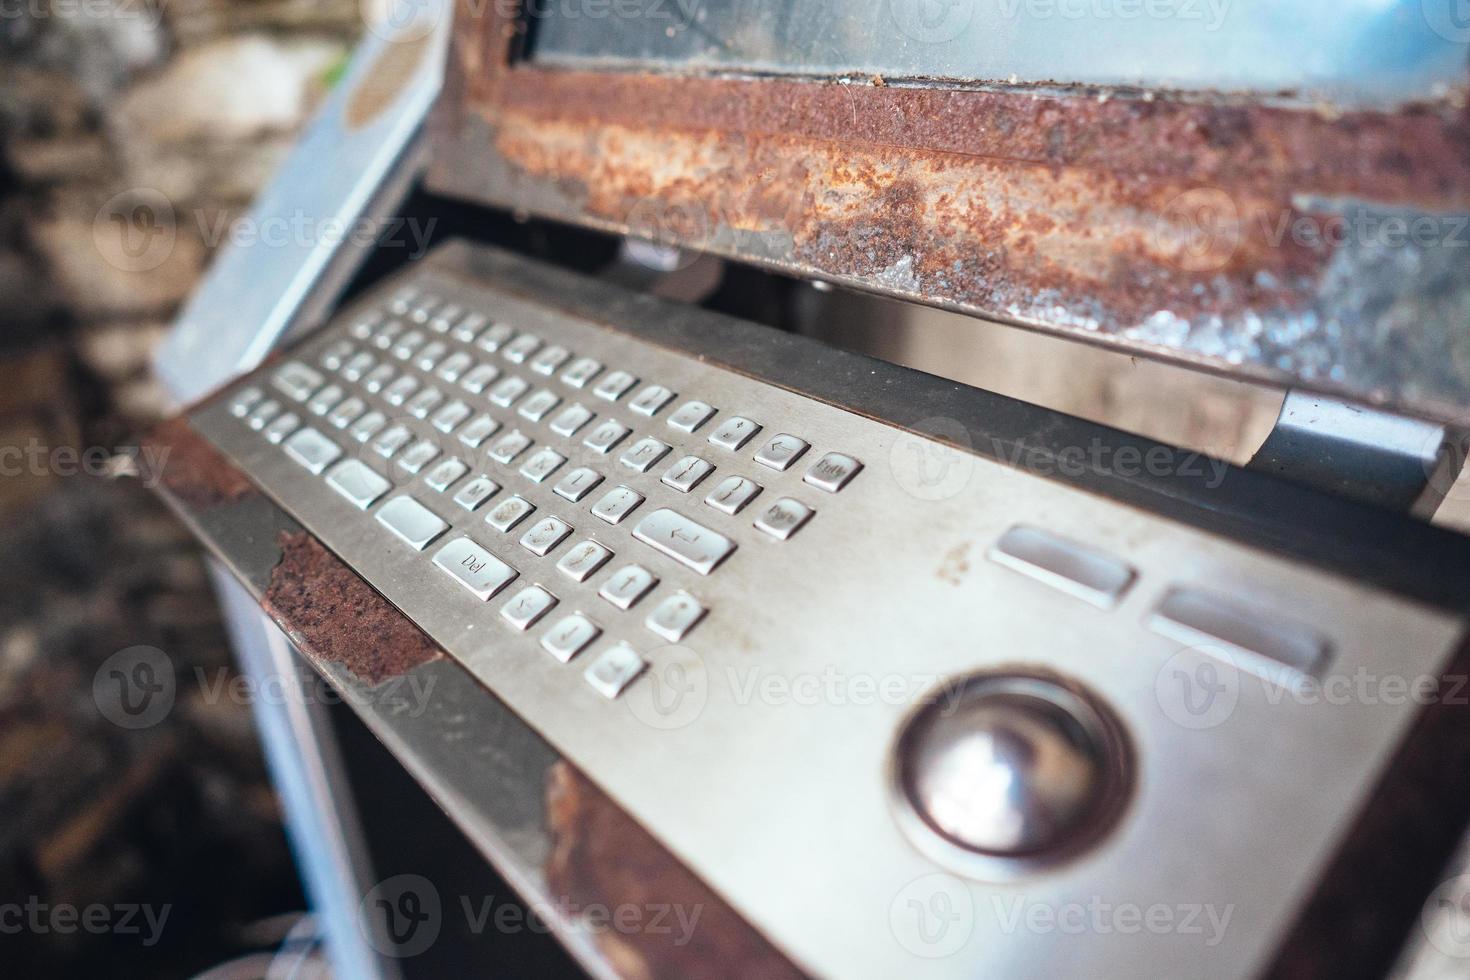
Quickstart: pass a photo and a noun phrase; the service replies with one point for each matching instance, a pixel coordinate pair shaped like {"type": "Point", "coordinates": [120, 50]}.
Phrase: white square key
{"type": "Point", "coordinates": [612, 672]}
{"type": "Point", "coordinates": [509, 512]}
{"type": "Point", "coordinates": [627, 585]}
{"type": "Point", "coordinates": [474, 567]}
{"type": "Point", "coordinates": [312, 449]}
{"type": "Point", "coordinates": [411, 521]}
{"type": "Point", "coordinates": [441, 477]}
{"type": "Point", "coordinates": [577, 484]}
{"type": "Point", "coordinates": [643, 454]}
{"type": "Point", "coordinates": [781, 452]}
{"type": "Point", "coordinates": [733, 433]}
{"type": "Point", "coordinates": [783, 518]}
{"type": "Point", "coordinates": [582, 561]}
{"type": "Point", "coordinates": [685, 475]}
{"type": "Point", "coordinates": [542, 464]}
{"type": "Point", "coordinates": [690, 416]}
{"type": "Point", "coordinates": [673, 618]}
{"type": "Point", "coordinates": [476, 492]}
{"type": "Point", "coordinates": [605, 436]}
{"type": "Point", "coordinates": [545, 535]}
{"type": "Point", "coordinates": [617, 504]}
{"type": "Point", "coordinates": [569, 636]}
{"type": "Point", "coordinates": [527, 606]}
{"type": "Point", "coordinates": [358, 482]}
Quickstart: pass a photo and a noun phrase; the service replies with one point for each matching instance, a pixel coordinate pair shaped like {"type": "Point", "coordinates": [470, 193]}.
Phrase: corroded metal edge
{"type": "Point", "coordinates": [1242, 237]}
{"type": "Point", "coordinates": [546, 827]}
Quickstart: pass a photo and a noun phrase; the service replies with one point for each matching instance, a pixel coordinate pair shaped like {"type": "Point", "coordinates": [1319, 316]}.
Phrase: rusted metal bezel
{"type": "Point", "coordinates": [1164, 224]}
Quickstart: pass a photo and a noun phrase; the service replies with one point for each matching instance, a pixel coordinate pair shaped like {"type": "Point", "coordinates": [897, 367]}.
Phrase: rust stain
{"type": "Point", "coordinates": [191, 469]}
{"type": "Point", "coordinates": [601, 857]}
{"type": "Point", "coordinates": [956, 564]}
{"type": "Point", "coordinates": [326, 608]}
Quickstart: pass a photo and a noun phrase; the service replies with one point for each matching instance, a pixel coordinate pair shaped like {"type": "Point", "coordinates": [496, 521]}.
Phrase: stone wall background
{"type": "Point", "coordinates": [197, 100]}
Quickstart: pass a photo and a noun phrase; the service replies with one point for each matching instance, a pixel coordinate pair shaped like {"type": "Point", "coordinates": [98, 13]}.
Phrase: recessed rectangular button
{"type": "Point", "coordinates": [612, 672]}
{"type": "Point", "coordinates": [1079, 571]}
{"type": "Point", "coordinates": [297, 380]}
{"type": "Point", "coordinates": [474, 567]}
{"type": "Point", "coordinates": [312, 449]}
{"type": "Point", "coordinates": [358, 482]}
{"type": "Point", "coordinates": [569, 636]}
{"type": "Point", "coordinates": [683, 540]}
{"type": "Point", "coordinates": [1256, 638]}
{"type": "Point", "coordinates": [527, 606]}
{"type": "Point", "coordinates": [411, 521]}
{"type": "Point", "coordinates": [833, 472]}
{"type": "Point", "coordinates": [781, 452]}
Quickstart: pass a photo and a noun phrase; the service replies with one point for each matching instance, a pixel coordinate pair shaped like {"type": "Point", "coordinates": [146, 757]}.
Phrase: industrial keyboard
{"type": "Point", "coordinates": [762, 621]}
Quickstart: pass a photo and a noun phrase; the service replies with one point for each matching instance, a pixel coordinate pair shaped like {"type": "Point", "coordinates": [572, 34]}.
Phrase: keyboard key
{"type": "Point", "coordinates": [583, 560]}
{"type": "Point", "coordinates": [335, 355]}
{"type": "Point", "coordinates": [368, 426]}
{"type": "Point", "coordinates": [833, 472]}
{"type": "Point", "coordinates": [411, 521]}
{"type": "Point", "coordinates": [685, 475]}
{"type": "Point", "coordinates": [509, 446]}
{"type": "Point", "coordinates": [476, 492]}
{"type": "Point", "coordinates": [297, 380]}
{"type": "Point", "coordinates": [430, 354]}
{"type": "Point", "coordinates": [527, 606]}
{"type": "Point", "coordinates": [643, 454]}
{"type": "Point", "coordinates": [445, 318]}
{"type": "Point", "coordinates": [521, 348]}
{"type": "Point", "coordinates": [509, 512]}
{"type": "Point", "coordinates": [539, 405]}
{"type": "Point", "coordinates": [550, 359]}
{"type": "Point", "coordinates": [569, 636]}
{"type": "Point", "coordinates": [570, 419]}
{"type": "Point", "coordinates": [614, 385]}
{"type": "Point", "coordinates": [466, 330]}
{"type": "Point", "coordinates": [450, 416]}
{"type": "Point", "coordinates": [577, 484]}
{"type": "Point", "coordinates": [733, 433]}
{"type": "Point", "coordinates": [399, 391]}
{"type": "Point", "coordinates": [493, 339]}
{"type": "Point", "coordinates": [312, 449]}
{"type": "Point", "coordinates": [690, 416]}
{"type": "Point", "coordinates": [358, 482]}
{"type": "Point", "coordinates": [391, 440]}
{"type": "Point", "coordinates": [482, 428]}
{"type": "Point", "coordinates": [244, 401]}
{"type": "Point", "coordinates": [687, 542]}
{"type": "Point", "coordinates": [733, 494]}
{"type": "Point", "coordinates": [545, 535]}
{"type": "Point", "coordinates": [347, 412]}
{"type": "Point", "coordinates": [378, 377]}
{"type": "Point", "coordinates": [1091, 575]}
{"type": "Point", "coordinates": [420, 405]}
{"type": "Point", "coordinates": [263, 414]}
{"type": "Point", "coordinates": [651, 400]}
{"type": "Point", "coordinates": [383, 339]}
{"type": "Point", "coordinates": [783, 518]}
{"type": "Point", "coordinates": [446, 474]}
{"type": "Point", "coordinates": [423, 310]}
{"type": "Point", "coordinates": [627, 585]}
{"type": "Point", "coordinates": [474, 568]}
{"type": "Point", "coordinates": [542, 464]}
{"type": "Point", "coordinates": [325, 400]}
{"type": "Point", "coordinates": [363, 327]}
{"type": "Point", "coordinates": [402, 300]}
{"type": "Point", "coordinates": [675, 616]}
{"type": "Point", "coordinates": [479, 378]}
{"type": "Point", "coordinates": [408, 344]}
{"type": "Point", "coordinates": [605, 436]}
{"type": "Point", "coordinates": [611, 673]}
{"type": "Point", "coordinates": [454, 366]}
{"type": "Point", "coordinates": [507, 391]}
{"type": "Point", "coordinates": [781, 452]}
{"type": "Point", "coordinates": [617, 504]}
{"type": "Point", "coordinates": [281, 427]}
{"type": "Point", "coordinates": [358, 365]}
{"type": "Point", "coordinates": [581, 371]}
{"type": "Point", "coordinates": [419, 455]}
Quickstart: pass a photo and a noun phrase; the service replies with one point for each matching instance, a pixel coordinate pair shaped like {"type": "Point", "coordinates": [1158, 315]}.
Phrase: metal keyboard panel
{"type": "Point", "coordinates": [757, 749]}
